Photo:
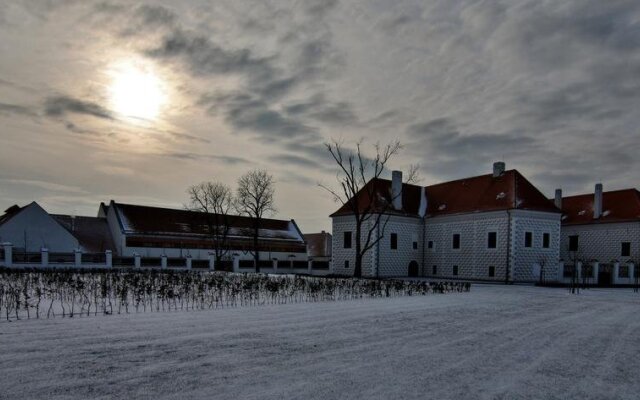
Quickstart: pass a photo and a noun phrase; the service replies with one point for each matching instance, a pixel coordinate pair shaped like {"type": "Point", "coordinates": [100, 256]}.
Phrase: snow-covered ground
{"type": "Point", "coordinates": [495, 342]}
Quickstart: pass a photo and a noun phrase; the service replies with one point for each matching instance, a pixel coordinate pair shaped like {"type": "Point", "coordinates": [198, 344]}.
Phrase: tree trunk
{"type": "Point", "coordinates": [357, 270]}
{"type": "Point", "coordinates": [256, 253]}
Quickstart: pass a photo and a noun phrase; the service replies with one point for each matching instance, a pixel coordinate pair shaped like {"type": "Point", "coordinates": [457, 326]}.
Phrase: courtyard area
{"type": "Point", "coordinates": [496, 342]}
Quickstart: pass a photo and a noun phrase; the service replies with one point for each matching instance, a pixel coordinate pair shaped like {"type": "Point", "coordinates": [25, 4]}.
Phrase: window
{"type": "Point", "coordinates": [434, 270]}
{"type": "Point", "coordinates": [573, 243]}
{"type": "Point", "coordinates": [546, 240]}
{"type": "Point", "coordinates": [394, 241]}
{"type": "Point", "coordinates": [347, 240]}
{"type": "Point", "coordinates": [455, 244]}
{"type": "Point", "coordinates": [492, 271]}
{"type": "Point", "coordinates": [492, 240]}
{"type": "Point", "coordinates": [623, 272]}
{"type": "Point", "coordinates": [626, 249]}
{"type": "Point", "coordinates": [528, 239]}
{"type": "Point", "coordinates": [415, 245]}
{"type": "Point", "coordinates": [346, 264]}
{"type": "Point", "coordinates": [430, 244]}
{"type": "Point", "coordinates": [568, 271]}
{"type": "Point", "coordinates": [455, 270]}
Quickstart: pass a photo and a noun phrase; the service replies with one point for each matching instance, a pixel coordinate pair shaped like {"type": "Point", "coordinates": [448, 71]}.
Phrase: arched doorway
{"type": "Point", "coordinates": [414, 268]}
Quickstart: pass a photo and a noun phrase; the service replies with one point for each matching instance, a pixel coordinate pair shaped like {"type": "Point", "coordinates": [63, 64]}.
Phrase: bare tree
{"type": "Point", "coordinates": [254, 198]}
{"type": "Point", "coordinates": [363, 200]}
{"type": "Point", "coordinates": [216, 201]}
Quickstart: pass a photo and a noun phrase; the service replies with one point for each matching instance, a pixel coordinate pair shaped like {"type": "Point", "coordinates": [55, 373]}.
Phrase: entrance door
{"type": "Point", "coordinates": [604, 274]}
{"type": "Point", "coordinates": [413, 269]}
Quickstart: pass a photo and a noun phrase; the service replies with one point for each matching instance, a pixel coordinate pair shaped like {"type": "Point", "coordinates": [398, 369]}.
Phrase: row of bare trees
{"type": "Point", "coordinates": [253, 198]}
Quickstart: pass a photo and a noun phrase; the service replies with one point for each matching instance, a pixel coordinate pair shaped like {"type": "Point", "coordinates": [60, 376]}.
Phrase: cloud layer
{"type": "Point", "coordinates": [552, 88]}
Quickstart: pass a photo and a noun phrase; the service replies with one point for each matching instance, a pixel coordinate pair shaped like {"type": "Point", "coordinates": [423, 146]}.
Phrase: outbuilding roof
{"type": "Point", "coordinates": [92, 233]}
{"type": "Point", "coordinates": [617, 206]}
{"type": "Point", "coordinates": [145, 220]}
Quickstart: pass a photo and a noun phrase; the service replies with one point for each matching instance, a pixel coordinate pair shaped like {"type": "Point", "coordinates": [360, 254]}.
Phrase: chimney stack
{"type": "Point", "coordinates": [597, 201]}
{"type": "Point", "coordinates": [558, 199]}
{"type": "Point", "coordinates": [396, 189]}
{"type": "Point", "coordinates": [498, 168]}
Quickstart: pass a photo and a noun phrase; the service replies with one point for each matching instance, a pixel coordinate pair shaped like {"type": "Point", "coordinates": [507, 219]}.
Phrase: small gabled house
{"type": "Point", "coordinates": [30, 229]}
{"type": "Point", "coordinates": [495, 227]}
{"type": "Point", "coordinates": [601, 235]}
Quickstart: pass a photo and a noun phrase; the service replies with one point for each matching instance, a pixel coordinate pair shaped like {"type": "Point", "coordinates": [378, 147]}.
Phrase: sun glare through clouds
{"type": "Point", "coordinates": [136, 91]}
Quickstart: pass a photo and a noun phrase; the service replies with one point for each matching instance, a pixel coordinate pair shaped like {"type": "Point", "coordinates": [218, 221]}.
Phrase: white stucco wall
{"type": "Point", "coordinates": [39, 229]}
{"type": "Point", "coordinates": [602, 243]}
{"type": "Point", "coordinates": [527, 261]}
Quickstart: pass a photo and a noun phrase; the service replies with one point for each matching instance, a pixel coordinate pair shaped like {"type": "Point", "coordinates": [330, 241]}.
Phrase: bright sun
{"type": "Point", "coordinates": [136, 91]}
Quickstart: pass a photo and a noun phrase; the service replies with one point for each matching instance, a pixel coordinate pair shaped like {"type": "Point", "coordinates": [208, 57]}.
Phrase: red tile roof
{"type": "Point", "coordinates": [511, 190]}
{"type": "Point", "coordinates": [617, 206]}
{"type": "Point", "coordinates": [382, 189]}
{"type": "Point", "coordinates": [508, 191]}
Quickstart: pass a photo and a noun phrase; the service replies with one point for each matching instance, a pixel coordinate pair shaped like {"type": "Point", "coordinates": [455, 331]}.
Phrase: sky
{"type": "Point", "coordinates": [136, 101]}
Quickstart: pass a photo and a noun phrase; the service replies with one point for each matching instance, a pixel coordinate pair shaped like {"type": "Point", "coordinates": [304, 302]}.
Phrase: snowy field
{"type": "Point", "coordinates": [495, 342]}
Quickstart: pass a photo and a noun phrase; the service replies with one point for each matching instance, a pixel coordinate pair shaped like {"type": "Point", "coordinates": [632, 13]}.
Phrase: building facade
{"type": "Point", "coordinates": [600, 241]}
{"type": "Point", "coordinates": [495, 227]}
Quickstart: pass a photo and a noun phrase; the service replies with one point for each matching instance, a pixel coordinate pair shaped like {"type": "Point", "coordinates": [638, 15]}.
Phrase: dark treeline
{"type": "Point", "coordinates": [75, 293]}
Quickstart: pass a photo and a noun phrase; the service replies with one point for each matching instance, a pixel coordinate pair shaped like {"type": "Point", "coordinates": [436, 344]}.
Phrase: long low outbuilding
{"type": "Point", "coordinates": [142, 236]}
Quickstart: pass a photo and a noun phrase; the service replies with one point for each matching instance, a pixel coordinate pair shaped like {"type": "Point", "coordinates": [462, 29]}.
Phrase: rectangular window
{"type": "Point", "coordinates": [546, 240]}
{"type": "Point", "coordinates": [394, 241]}
{"type": "Point", "coordinates": [430, 244]}
{"type": "Point", "coordinates": [455, 270]}
{"type": "Point", "coordinates": [528, 239]}
{"type": "Point", "coordinates": [492, 271]}
{"type": "Point", "coordinates": [347, 240]}
{"type": "Point", "coordinates": [346, 264]}
{"type": "Point", "coordinates": [623, 271]}
{"type": "Point", "coordinates": [434, 270]}
{"type": "Point", "coordinates": [573, 243]}
{"type": "Point", "coordinates": [626, 249]}
{"type": "Point", "coordinates": [415, 245]}
{"type": "Point", "coordinates": [568, 271]}
{"type": "Point", "coordinates": [455, 242]}
{"type": "Point", "coordinates": [492, 240]}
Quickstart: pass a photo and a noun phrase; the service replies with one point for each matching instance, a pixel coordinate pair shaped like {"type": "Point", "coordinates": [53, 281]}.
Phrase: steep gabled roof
{"type": "Point", "coordinates": [382, 190]}
{"type": "Point", "coordinates": [144, 220]}
{"type": "Point", "coordinates": [9, 213]}
{"type": "Point", "coordinates": [481, 193]}
{"type": "Point", "coordinates": [508, 191]}
{"type": "Point", "coordinates": [617, 206]}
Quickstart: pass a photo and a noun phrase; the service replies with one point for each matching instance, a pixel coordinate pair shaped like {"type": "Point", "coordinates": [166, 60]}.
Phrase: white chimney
{"type": "Point", "coordinates": [498, 168]}
{"type": "Point", "coordinates": [597, 201]}
{"type": "Point", "coordinates": [396, 189]}
{"type": "Point", "coordinates": [558, 199]}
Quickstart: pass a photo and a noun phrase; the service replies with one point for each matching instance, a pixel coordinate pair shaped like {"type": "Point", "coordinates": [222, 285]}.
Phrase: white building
{"type": "Point", "coordinates": [600, 236]}
{"type": "Point", "coordinates": [495, 227]}
{"type": "Point", "coordinates": [147, 236]}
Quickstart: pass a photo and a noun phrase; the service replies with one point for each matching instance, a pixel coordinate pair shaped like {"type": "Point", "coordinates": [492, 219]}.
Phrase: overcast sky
{"type": "Point", "coordinates": [136, 101]}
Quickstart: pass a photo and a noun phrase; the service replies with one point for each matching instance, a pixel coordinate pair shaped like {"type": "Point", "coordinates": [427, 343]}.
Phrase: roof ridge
{"type": "Point", "coordinates": [605, 192]}
{"type": "Point", "coordinates": [471, 177]}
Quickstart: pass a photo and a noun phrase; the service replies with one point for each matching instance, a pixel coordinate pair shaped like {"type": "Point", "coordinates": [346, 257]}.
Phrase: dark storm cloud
{"type": "Point", "coordinates": [58, 106]}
